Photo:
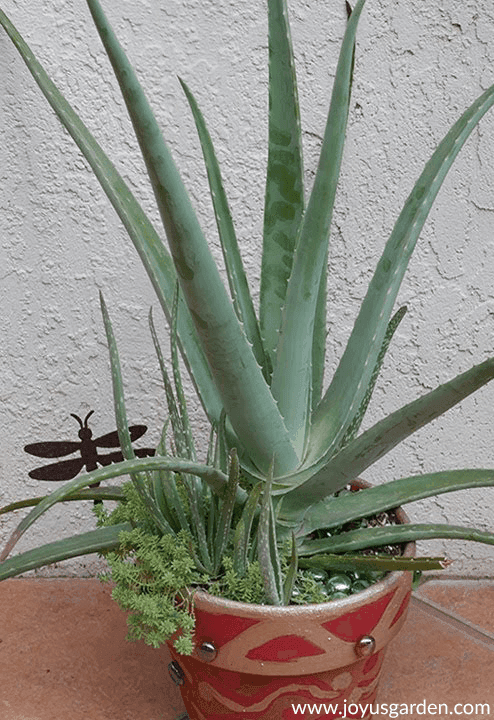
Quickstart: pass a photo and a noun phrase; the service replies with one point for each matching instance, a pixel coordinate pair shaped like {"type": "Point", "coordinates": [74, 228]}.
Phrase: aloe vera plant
{"type": "Point", "coordinates": [282, 450]}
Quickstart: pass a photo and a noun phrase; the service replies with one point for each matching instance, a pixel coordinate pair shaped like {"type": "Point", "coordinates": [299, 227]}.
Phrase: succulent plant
{"type": "Point", "coordinates": [283, 450]}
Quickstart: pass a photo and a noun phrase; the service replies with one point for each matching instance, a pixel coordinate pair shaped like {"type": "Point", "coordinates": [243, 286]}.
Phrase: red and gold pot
{"type": "Point", "coordinates": [259, 662]}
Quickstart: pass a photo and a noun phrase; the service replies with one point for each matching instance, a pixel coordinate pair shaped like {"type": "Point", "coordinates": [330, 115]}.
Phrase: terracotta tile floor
{"type": "Point", "coordinates": [63, 655]}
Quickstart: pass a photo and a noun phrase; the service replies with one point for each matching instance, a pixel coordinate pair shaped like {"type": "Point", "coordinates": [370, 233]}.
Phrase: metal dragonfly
{"type": "Point", "coordinates": [87, 446]}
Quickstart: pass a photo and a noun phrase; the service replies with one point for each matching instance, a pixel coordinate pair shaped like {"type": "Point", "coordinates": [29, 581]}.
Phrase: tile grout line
{"type": "Point", "coordinates": [451, 618]}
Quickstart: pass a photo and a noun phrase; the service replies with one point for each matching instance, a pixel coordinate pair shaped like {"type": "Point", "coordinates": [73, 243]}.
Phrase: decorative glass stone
{"type": "Point", "coordinates": [339, 584]}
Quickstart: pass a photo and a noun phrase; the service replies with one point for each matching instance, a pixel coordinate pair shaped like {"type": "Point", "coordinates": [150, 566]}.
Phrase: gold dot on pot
{"type": "Point", "coordinates": [365, 646]}
{"type": "Point", "coordinates": [207, 651]}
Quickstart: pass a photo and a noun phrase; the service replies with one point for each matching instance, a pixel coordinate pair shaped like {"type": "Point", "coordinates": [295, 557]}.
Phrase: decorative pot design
{"type": "Point", "coordinates": [259, 662]}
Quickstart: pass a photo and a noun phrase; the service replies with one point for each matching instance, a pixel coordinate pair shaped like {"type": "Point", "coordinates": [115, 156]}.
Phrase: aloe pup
{"type": "Point", "coordinates": [282, 449]}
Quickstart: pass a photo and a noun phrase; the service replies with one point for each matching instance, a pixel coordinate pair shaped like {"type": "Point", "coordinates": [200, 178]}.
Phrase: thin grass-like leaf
{"type": "Point", "coordinates": [245, 394]}
{"type": "Point", "coordinates": [94, 541]}
{"type": "Point", "coordinates": [267, 550]}
{"type": "Point", "coordinates": [192, 483]}
{"type": "Point", "coordinates": [227, 508]}
{"type": "Point", "coordinates": [177, 379]}
{"type": "Point", "coordinates": [350, 381]}
{"type": "Point", "coordinates": [173, 412]}
{"type": "Point", "coordinates": [147, 242]}
{"type": "Point", "coordinates": [243, 530]}
{"type": "Point", "coordinates": [221, 446]}
{"type": "Point", "coordinates": [141, 481]}
{"type": "Point", "coordinates": [291, 574]}
{"type": "Point", "coordinates": [292, 382]}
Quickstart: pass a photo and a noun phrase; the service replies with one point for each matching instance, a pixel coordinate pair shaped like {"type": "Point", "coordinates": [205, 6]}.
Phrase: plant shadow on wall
{"type": "Point", "coordinates": [274, 516]}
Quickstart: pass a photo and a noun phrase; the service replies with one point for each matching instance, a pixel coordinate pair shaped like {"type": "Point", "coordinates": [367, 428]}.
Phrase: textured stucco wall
{"type": "Point", "coordinates": [418, 66]}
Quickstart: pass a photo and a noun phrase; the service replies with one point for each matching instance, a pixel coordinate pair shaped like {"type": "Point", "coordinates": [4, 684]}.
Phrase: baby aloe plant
{"type": "Point", "coordinates": [283, 450]}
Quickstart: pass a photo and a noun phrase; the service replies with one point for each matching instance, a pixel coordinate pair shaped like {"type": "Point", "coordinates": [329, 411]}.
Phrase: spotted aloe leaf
{"type": "Point", "coordinates": [391, 534]}
{"type": "Point", "coordinates": [284, 198]}
{"type": "Point", "coordinates": [372, 501]}
{"type": "Point", "coordinates": [237, 279]}
{"type": "Point", "coordinates": [292, 373]}
{"type": "Point", "coordinates": [94, 541]}
{"type": "Point", "coordinates": [152, 252]}
{"type": "Point", "coordinates": [245, 394]}
{"type": "Point", "coordinates": [351, 379]}
{"type": "Point", "coordinates": [354, 426]}
{"type": "Point", "coordinates": [378, 440]}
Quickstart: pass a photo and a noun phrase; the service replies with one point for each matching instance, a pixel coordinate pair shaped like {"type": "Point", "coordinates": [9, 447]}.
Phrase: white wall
{"type": "Point", "coordinates": [419, 65]}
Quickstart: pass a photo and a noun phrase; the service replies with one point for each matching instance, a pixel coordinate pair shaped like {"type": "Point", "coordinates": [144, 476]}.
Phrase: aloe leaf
{"type": "Point", "coordinates": [267, 550]}
{"type": "Point", "coordinates": [374, 443]}
{"type": "Point", "coordinates": [192, 483]}
{"type": "Point", "coordinates": [174, 415]}
{"type": "Point", "coordinates": [376, 536]}
{"type": "Point", "coordinates": [320, 319]}
{"type": "Point", "coordinates": [237, 279]}
{"type": "Point", "coordinates": [100, 493]}
{"type": "Point", "coordinates": [179, 389]}
{"type": "Point", "coordinates": [245, 394]}
{"type": "Point", "coordinates": [158, 482]}
{"type": "Point", "coordinates": [243, 530]}
{"type": "Point", "coordinates": [371, 501]}
{"type": "Point", "coordinates": [228, 506]}
{"type": "Point", "coordinates": [319, 341]}
{"type": "Point", "coordinates": [354, 426]}
{"type": "Point", "coordinates": [173, 499]}
{"type": "Point", "coordinates": [284, 198]}
{"type": "Point", "coordinates": [94, 541]}
{"type": "Point", "coordinates": [349, 383]}
{"type": "Point", "coordinates": [147, 242]}
{"type": "Point", "coordinates": [383, 563]}
{"type": "Point", "coordinates": [168, 490]}
{"type": "Point", "coordinates": [214, 477]}
{"type": "Point", "coordinates": [141, 481]}
{"type": "Point", "coordinates": [291, 384]}
{"type": "Point", "coordinates": [291, 574]}
{"type": "Point", "coordinates": [221, 446]}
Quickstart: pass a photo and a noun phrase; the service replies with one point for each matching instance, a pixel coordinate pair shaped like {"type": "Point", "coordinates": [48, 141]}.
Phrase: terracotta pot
{"type": "Point", "coordinates": [258, 662]}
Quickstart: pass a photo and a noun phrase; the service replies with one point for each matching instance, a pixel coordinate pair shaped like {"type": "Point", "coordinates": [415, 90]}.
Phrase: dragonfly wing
{"type": "Point", "coordinates": [144, 452]}
{"type": "Point", "coordinates": [108, 441]}
{"type": "Point", "coordinates": [63, 470]}
{"type": "Point", "coordinates": [110, 458]}
{"type": "Point", "coordinates": [137, 431]}
{"type": "Point", "coordinates": [57, 448]}
{"type": "Point", "coordinates": [111, 439]}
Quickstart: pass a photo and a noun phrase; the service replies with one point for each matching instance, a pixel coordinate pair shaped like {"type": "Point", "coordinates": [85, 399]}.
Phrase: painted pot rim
{"type": "Point", "coordinates": [336, 628]}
